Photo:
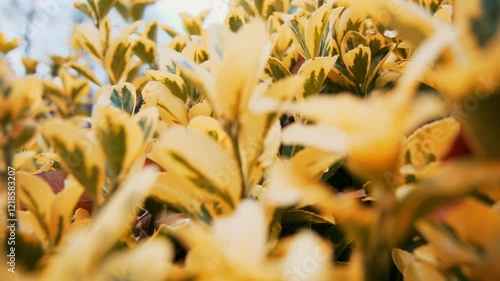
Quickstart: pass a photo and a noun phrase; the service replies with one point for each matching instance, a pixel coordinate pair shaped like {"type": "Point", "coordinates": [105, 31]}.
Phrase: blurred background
{"type": "Point", "coordinates": [45, 26]}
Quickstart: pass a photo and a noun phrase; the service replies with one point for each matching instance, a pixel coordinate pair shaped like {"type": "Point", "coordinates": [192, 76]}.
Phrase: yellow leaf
{"type": "Point", "coordinates": [242, 236]}
{"type": "Point", "coordinates": [192, 25]}
{"type": "Point", "coordinates": [403, 259]}
{"type": "Point", "coordinates": [276, 69]}
{"type": "Point", "coordinates": [191, 72]}
{"type": "Point", "coordinates": [315, 161]}
{"type": "Point", "coordinates": [315, 31]}
{"type": "Point", "coordinates": [357, 62]}
{"type": "Point", "coordinates": [148, 261]}
{"type": "Point", "coordinates": [200, 159]}
{"type": "Point", "coordinates": [24, 98]}
{"type": "Point", "coordinates": [464, 221]}
{"type": "Point", "coordinates": [173, 82]}
{"type": "Point", "coordinates": [321, 136]}
{"type": "Point", "coordinates": [315, 72]}
{"type": "Point", "coordinates": [261, 132]}
{"type": "Point", "coordinates": [145, 49]}
{"type": "Point", "coordinates": [420, 271]}
{"type": "Point", "coordinates": [147, 118]}
{"type": "Point", "coordinates": [171, 108]}
{"type": "Point", "coordinates": [38, 197]}
{"type": "Point", "coordinates": [121, 96]}
{"type": "Point", "coordinates": [212, 128]}
{"type": "Point", "coordinates": [189, 198]}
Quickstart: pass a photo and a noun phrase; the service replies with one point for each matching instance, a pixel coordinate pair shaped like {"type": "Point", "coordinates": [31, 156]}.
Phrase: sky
{"type": "Point", "coordinates": [53, 21]}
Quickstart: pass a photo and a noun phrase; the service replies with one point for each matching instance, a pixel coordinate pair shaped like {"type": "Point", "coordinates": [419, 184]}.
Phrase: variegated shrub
{"type": "Point", "coordinates": [298, 140]}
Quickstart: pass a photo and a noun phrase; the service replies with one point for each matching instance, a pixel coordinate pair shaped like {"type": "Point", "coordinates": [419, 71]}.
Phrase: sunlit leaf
{"type": "Point", "coordinates": [171, 108]}
{"type": "Point", "coordinates": [78, 154]}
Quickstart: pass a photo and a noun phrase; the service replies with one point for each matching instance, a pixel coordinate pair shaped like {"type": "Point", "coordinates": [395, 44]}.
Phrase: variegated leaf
{"type": "Point", "coordinates": [62, 209]}
{"type": "Point", "coordinates": [117, 58]}
{"type": "Point", "coordinates": [113, 221]}
{"type": "Point", "coordinates": [171, 108]}
{"type": "Point", "coordinates": [88, 37]}
{"type": "Point", "coordinates": [121, 96]}
{"type": "Point", "coordinates": [38, 196]}
{"type": "Point", "coordinates": [212, 128]}
{"type": "Point", "coordinates": [240, 70]}
{"type": "Point", "coordinates": [117, 134]}
{"type": "Point", "coordinates": [358, 61]}
{"type": "Point", "coordinates": [235, 18]}
{"type": "Point", "coordinates": [84, 71]}
{"type": "Point", "coordinates": [194, 75]}
{"type": "Point", "coordinates": [430, 142]}
{"type": "Point", "coordinates": [145, 49]}
{"type": "Point", "coordinates": [202, 161]}
{"type": "Point", "coordinates": [24, 98]}
{"type": "Point", "coordinates": [297, 25]}
{"type": "Point", "coordinates": [315, 72]}
{"type": "Point", "coordinates": [151, 31]}
{"type": "Point", "coordinates": [317, 25]}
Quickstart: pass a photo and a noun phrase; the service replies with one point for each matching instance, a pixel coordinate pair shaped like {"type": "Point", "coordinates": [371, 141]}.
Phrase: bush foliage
{"type": "Point", "coordinates": [300, 140]}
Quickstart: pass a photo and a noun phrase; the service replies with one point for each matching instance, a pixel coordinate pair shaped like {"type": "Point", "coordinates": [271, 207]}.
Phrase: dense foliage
{"type": "Point", "coordinates": [300, 140]}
